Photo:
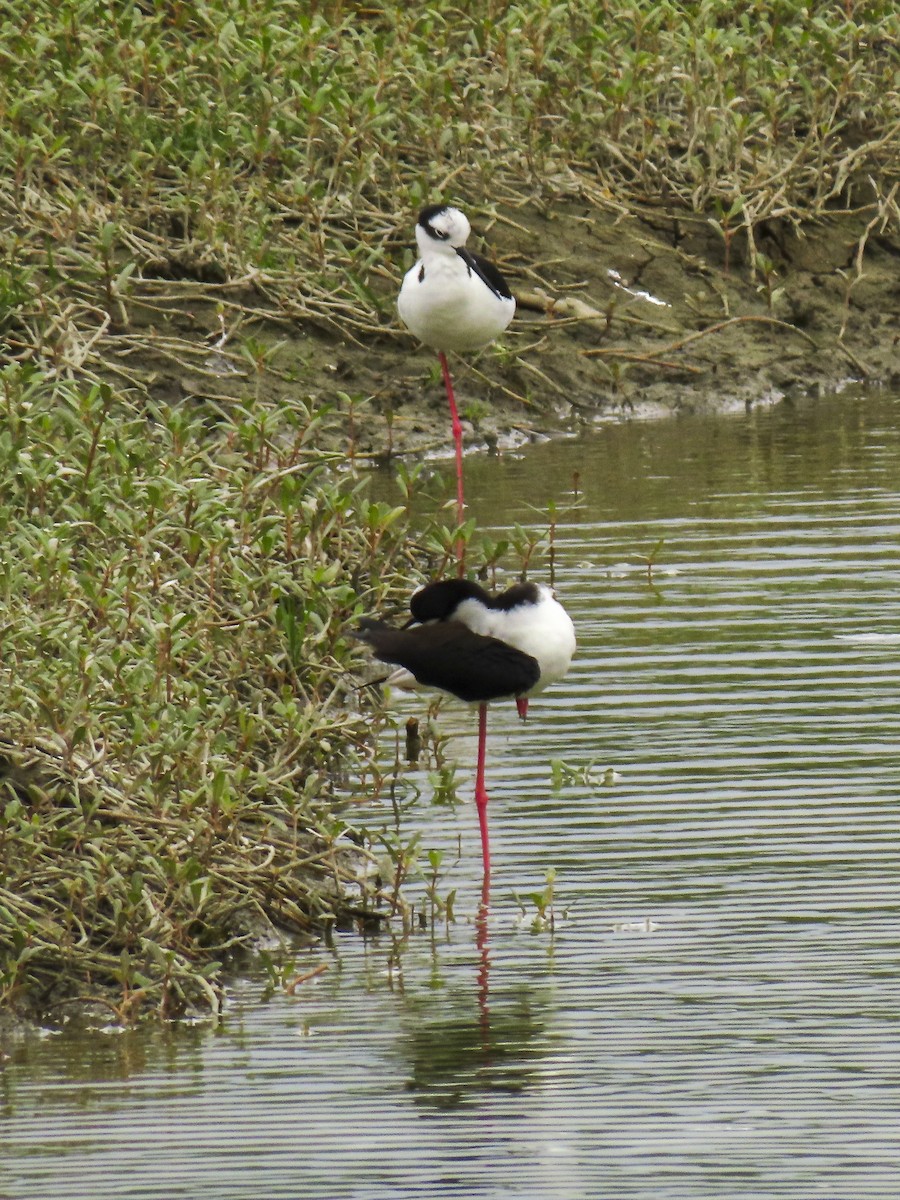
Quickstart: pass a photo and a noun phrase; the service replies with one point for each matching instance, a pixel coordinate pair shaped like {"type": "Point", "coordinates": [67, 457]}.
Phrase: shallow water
{"type": "Point", "coordinates": [716, 1011]}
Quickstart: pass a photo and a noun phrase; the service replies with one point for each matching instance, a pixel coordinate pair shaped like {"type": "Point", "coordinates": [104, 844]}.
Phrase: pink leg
{"type": "Point", "coordinates": [481, 796]}
{"type": "Point", "coordinates": [484, 969]}
{"type": "Point", "coordinates": [457, 441]}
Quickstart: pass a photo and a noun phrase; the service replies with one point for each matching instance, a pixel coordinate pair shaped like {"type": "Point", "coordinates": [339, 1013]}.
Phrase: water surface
{"type": "Point", "coordinates": [717, 1011]}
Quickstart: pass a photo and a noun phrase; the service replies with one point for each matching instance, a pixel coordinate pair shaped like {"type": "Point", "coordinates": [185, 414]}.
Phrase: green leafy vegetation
{"type": "Point", "coordinates": [179, 695]}
{"type": "Point", "coordinates": [184, 188]}
{"type": "Point", "coordinates": [273, 152]}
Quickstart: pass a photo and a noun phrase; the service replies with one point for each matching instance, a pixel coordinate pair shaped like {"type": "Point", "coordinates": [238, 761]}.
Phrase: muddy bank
{"type": "Point", "coordinates": [620, 315]}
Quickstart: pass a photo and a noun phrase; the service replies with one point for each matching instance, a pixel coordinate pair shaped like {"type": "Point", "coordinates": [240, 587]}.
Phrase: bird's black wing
{"type": "Point", "coordinates": [486, 272]}
{"type": "Point", "coordinates": [452, 658]}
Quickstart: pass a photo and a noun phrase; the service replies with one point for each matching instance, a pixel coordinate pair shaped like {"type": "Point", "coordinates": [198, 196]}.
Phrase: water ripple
{"type": "Point", "coordinates": [715, 786]}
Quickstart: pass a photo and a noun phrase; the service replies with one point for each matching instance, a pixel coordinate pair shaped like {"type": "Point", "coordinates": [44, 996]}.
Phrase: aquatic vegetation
{"type": "Point", "coordinates": [544, 918]}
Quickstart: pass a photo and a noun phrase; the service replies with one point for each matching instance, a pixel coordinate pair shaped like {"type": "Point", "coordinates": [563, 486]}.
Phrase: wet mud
{"type": "Point", "coordinates": [621, 315]}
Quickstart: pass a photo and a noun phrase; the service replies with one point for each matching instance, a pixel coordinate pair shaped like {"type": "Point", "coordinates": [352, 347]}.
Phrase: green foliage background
{"type": "Point", "coordinates": [176, 581]}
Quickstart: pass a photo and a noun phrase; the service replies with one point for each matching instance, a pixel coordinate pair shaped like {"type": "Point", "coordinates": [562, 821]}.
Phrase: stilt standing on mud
{"type": "Point", "coordinates": [452, 299]}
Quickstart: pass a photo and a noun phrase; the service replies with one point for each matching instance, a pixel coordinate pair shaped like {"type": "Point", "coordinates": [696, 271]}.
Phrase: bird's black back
{"type": "Point", "coordinates": [450, 657]}
{"type": "Point", "coordinates": [486, 272]}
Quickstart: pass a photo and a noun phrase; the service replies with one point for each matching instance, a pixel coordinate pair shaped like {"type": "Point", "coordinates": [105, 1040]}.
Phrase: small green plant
{"type": "Point", "coordinates": [727, 222]}
{"type": "Point", "coordinates": [475, 411]}
{"type": "Point", "coordinates": [650, 559]}
{"type": "Point", "coordinates": [444, 782]}
{"type": "Point", "coordinates": [440, 907]}
{"type": "Point", "coordinates": [766, 268]}
{"type": "Point", "coordinates": [563, 775]}
{"type": "Point", "coordinates": [545, 915]}
{"type": "Point", "coordinates": [525, 544]}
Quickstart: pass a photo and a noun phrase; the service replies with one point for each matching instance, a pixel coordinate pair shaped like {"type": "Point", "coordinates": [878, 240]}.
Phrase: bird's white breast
{"type": "Point", "coordinates": [449, 307]}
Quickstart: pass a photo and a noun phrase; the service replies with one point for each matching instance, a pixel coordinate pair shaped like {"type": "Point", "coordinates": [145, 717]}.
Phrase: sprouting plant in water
{"type": "Point", "coordinates": [650, 560]}
{"type": "Point", "coordinates": [443, 783]}
{"type": "Point", "coordinates": [277, 970]}
{"type": "Point", "coordinates": [551, 539]}
{"type": "Point", "coordinates": [401, 857]}
{"type": "Point", "coordinates": [545, 914]}
{"type": "Point", "coordinates": [439, 906]}
{"type": "Point", "coordinates": [563, 774]}
{"type": "Point", "coordinates": [491, 552]}
{"type": "Point", "coordinates": [525, 543]}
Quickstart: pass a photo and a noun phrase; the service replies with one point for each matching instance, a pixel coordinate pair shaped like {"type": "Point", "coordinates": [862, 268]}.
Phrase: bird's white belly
{"type": "Point", "coordinates": [451, 309]}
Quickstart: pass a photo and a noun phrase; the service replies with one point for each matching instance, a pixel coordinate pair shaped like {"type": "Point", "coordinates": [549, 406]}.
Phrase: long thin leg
{"type": "Point", "coordinates": [484, 969]}
{"type": "Point", "coordinates": [457, 442]}
{"type": "Point", "coordinates": [481, 796]}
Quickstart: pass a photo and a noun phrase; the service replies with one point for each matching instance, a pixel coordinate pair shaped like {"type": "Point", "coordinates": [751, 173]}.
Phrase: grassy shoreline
{"type": "Point", "coordinates": [206, 212]}
{"type": "Point", "coordinates": [264, 160]}
{"type": "Point", "coordinates": [178, 684]}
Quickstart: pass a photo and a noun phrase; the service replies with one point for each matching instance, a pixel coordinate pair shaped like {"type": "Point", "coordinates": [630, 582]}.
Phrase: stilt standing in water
{"type": "Point", "coordinates": [478, 648]}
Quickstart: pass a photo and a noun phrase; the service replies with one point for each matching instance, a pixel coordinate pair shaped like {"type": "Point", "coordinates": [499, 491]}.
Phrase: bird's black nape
{"type": "Point", "coordinates": [439, 600]}
{"type": "Point", "coordinates": [513, 597]}
{"type": "Point", "coordinates": [427, 215]}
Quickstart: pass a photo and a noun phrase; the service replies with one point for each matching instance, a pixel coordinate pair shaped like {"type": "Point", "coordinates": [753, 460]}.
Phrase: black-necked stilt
{"type": "Point", "coordinates": [478, 648]}
{"type": "Point", "coordinates": [452, 299]}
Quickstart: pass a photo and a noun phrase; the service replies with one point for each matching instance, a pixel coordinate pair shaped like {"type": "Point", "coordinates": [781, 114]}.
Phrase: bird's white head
{"type": "Point", "coordinates": [440, 226]}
